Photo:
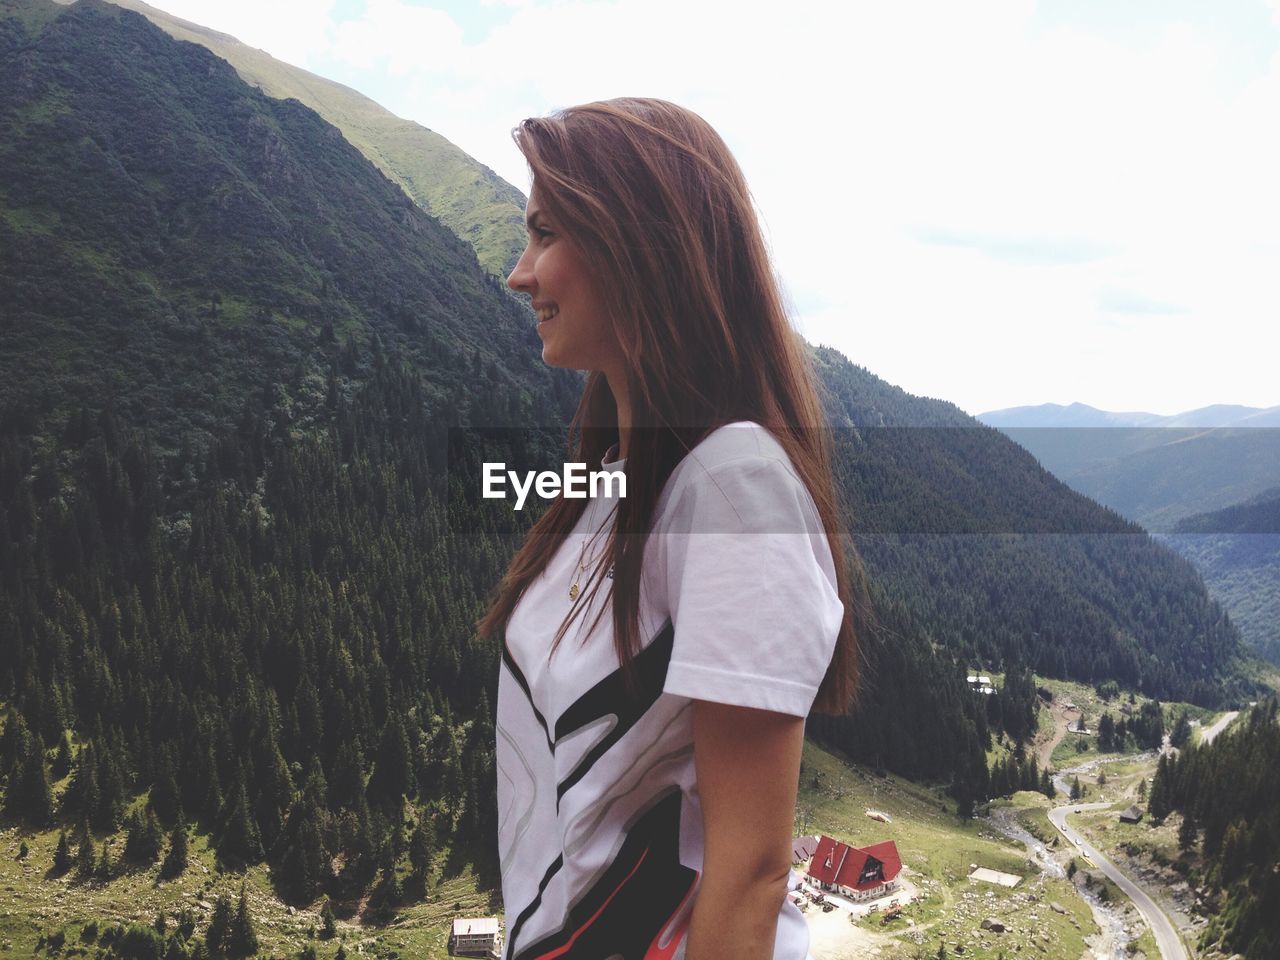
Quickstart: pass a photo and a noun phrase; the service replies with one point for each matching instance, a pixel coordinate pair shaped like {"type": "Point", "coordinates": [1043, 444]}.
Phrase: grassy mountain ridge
{"type": "Point", "coordinates": [468, 197]}
{"type": "Point", "coordinates": [171, 244]}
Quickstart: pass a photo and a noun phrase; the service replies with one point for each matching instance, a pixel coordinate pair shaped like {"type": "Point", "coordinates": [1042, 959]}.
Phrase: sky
{"type": "Point", "coordinates": [998, 203]}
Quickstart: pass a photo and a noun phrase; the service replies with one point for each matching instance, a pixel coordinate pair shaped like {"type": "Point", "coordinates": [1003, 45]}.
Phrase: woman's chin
{"type": "Point", "coordinates": [554, 357]}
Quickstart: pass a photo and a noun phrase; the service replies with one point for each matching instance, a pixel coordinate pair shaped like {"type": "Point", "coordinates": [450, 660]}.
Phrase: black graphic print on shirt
{"type": "Point", "coordinates": [628, 912]}
{"type": "Point", "coordinates": [609, 698]}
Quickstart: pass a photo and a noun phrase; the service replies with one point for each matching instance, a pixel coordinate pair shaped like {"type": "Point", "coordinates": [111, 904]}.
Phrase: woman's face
{"type": "Point", "coordinates": [572, 323]}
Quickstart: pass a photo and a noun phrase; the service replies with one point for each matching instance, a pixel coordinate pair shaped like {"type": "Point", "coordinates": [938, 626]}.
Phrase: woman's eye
{"type": "Point", "coordinates": [541, 232]}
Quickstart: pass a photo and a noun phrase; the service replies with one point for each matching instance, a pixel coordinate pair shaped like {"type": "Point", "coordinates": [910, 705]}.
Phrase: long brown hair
{"type": "Point", "coordinates": [660, 211]}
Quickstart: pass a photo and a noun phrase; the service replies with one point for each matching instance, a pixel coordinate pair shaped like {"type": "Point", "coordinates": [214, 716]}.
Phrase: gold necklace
{"type": "Point", "coordinates": [582, 565]}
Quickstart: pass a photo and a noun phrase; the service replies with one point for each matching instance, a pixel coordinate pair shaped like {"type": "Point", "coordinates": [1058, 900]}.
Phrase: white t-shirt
{"type": "Point", "coordinates": [599, 818]}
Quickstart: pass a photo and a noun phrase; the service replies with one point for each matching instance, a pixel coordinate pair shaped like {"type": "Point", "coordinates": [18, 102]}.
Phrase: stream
{"type": "Point", "coordinates": [1110, 943]}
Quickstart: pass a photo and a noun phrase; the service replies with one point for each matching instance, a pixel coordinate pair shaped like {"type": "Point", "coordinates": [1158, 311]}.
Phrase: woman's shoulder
{"type": "Point", "coordinates": [743, 444]}
{"type": "Point", "coordinates": [737, 456]}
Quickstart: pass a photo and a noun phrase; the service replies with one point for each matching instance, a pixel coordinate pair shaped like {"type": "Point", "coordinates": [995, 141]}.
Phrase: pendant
{"type": "Point", "coordinates": [573, 592]}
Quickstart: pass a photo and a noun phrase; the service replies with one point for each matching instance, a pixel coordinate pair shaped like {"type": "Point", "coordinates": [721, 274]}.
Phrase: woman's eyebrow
{"type": "Point", "coordinates": [531, 218]}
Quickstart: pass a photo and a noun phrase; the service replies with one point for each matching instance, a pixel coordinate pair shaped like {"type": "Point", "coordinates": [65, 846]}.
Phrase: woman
{"type": "Point", "coordinates": [648, 764]}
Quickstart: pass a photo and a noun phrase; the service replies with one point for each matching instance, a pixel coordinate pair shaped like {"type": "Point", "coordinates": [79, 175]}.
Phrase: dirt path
{"type": "Point", "coordinates": [833, 937]}
{"type": "Point", "coordinates": [1062, 719]}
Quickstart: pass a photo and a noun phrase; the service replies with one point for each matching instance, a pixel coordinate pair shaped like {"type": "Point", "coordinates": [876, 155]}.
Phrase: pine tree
{"type": "Point", "coordinates": [422, 846]}
{"type": "Point", "coordinates": [328, 923]}
{"type": "Point", "coordinates": [242, 941]}
{"type": "Point", "coordinates": [176, 949]}
{"type": "Point", "coordinates": [164, 798]}
{"type": "Point", "coordinates": [14, 742]}
{"type": "Point", "coordinates": [144, 840]}
{"type": "Point", "coordinates": [1106, 733]}
{"type": "Point", "coordinates": [86, 855]}
{"type": "Point", "coordinates": [111, 792]}
{"type": "Point", "coordinates": [217, 936]}
{"type": "Point", "coordinates": [30, 795]}
{"type": "Point", "coordinates": [1180, 735]}
{"type": "Point", "coordinates": [239, 843]}
{"type": "Point", "coordinates": [1159, 803]}
{"type": "Point", "coordinates": [106, 864]}
{"type": "Point", "coordinates": [81, 796]}
{"type": "Point", "coordinates": [393, 770]}
{"type": "Point", "coordinates": [201, 787]}
{"type": "Point", "coordinates": [175, 861]}
{"type": "Point", "coordinates": [1235, 852]}
{"type": "Point", "coordinates": [347, 783]}
{"type": "Point", "coordinates": [386, 895]}
{"type": "Point", "coordinates": [1188, 832]}
{"type": "Point", "coordinates": [62, 855]}
{"type": "Point", "coordinates": [63, 760]}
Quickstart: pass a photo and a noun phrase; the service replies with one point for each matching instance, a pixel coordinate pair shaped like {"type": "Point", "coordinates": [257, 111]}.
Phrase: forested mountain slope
{"type": "Point", "coordinates": [1260, 515]}
{"type": "Point", "coordinates": [150, 199]}
{"type": "Point", "coordinates": [1002, 561]}
{"type": "Point", "coordinates": [231, 351]}
{"type": "Point", "coordinates": [1230, 830]}
{"type": "Point", "coordinates": [1237, 551]}
{"type": "Point", "coordinates": [1204, 480]}
{"type": "Point", "coordinates": [468, 197]}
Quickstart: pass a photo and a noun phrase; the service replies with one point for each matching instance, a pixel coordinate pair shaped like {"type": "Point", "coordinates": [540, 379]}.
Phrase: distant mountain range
{"type": "Point", "coordinates": [1155, 470]}
{"type": "Point", "coordinates": [1083, 415]}
{"type": "Point", "coordinates": [1206, 478]}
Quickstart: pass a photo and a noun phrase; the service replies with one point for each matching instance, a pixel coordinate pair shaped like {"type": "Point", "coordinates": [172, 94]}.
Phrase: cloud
{"type": "Point", "coordinates": [289, 30]}
{"type": "Point", "coordinates": [401, 39]}
{"type": "Point", "coordinates": [1119, 300]}
{"type": "Point", "coordinates": [955, 194]}
{"type": "Point", "coordinates": [1044, 250]}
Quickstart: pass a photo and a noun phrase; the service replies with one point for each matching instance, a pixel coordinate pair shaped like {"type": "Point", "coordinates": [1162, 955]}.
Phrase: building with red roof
{"type": "Point", "coordinates": [859, 873]}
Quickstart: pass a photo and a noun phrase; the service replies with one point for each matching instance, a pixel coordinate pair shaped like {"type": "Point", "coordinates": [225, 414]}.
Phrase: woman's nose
{"type": "Point", "coordinates": [521, 277]}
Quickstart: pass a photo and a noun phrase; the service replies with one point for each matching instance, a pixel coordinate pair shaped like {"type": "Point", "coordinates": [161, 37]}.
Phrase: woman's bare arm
{"type": "Point", "coordinates": [748, 768]}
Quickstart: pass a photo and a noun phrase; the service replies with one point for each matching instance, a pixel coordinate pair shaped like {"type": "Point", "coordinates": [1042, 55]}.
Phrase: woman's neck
{"type": "Point", "coordinates": [621, 399]}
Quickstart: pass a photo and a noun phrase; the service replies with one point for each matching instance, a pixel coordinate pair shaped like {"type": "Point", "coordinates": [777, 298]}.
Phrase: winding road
{"type": "Point", "coordinates": [1167, 939]}
{"type": "Point", "coordinates": [1166, 935]}
{"type": "Point", "coordinates": [1207, 735]}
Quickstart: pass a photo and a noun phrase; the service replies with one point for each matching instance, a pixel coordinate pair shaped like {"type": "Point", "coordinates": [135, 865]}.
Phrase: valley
{"type": "Point", "coordinates": [1068, 901]}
